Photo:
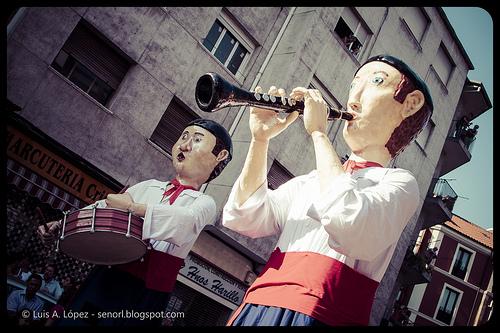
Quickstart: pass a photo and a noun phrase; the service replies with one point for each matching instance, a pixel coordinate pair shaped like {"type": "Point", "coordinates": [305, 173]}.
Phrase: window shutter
{"type": "Point", "coordinates": [171, 124]}
{"type": "Point", "coordinates": [96, 55]}
{"type": "Point", "coordinates": [278, 175]}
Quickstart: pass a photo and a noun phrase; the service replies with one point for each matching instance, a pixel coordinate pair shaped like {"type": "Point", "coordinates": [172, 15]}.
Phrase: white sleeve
{"type": "Point", "coordinates": [58, 291]}
{"type": "Point", "coordinates": [361, 223]}
{"type": "Point", "coordinates": [131, 190]}
{"type": "Point", "coordinates": [176, 224]}
{"type": "Point", "coordinates": [13, 301]}
{"type": "Point", "coordinates": [263, 214]}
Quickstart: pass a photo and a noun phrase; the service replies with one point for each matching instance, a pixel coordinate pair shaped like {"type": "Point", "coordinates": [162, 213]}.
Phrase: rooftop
{"type": "Point", "coordinates": [471, 230]}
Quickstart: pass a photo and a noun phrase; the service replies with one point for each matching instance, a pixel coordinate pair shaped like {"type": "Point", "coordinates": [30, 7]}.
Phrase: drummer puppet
{"type": "Point", "coordinates": [174, 213]}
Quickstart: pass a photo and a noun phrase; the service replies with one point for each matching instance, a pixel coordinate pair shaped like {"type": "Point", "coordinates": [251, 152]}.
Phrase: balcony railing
{"type": "Point", "coordinates": [438, 204]}
{"type": "Point", "coordinates": [445, 192]}
{"type": "Point", "coordinates": [458, 146]}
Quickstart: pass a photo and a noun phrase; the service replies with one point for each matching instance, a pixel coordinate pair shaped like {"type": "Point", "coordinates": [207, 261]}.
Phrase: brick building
{"type": "Point", "coordinates": [459, 292]}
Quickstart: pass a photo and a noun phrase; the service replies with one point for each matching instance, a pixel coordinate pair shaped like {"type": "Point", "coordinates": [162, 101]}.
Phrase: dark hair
{"type": "Point", "coordinates": [411, 126]}
{"type": "Point", "coordinates": [67, 296]}
{"type": "Point", "coordinates": [34, 276]}
{"type": "Point", "coordinates": [219, 146]}
{"type": "Point", "coordinates": [53, 266]}
{"type": "Point", "coordinates": [222, 141]}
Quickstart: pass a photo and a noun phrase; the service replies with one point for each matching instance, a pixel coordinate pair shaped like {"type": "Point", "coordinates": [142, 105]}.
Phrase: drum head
{"type": "Point", "coordinates": [103, 248]}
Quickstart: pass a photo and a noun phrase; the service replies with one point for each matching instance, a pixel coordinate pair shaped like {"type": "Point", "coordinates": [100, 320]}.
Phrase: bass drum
{"type": "Point", "coordinates": [103, 236]}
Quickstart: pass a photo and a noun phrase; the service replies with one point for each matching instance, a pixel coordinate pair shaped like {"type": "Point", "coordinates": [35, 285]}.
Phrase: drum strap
{"type": "Point", "coordinates": [158, 270]}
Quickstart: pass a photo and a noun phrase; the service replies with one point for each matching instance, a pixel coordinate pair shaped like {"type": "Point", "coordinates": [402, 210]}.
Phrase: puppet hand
{"type": "Point", "coordinates": [48, 232]}
{"type": "Point", "coordinates": [315, 109]}
{"type": "Point", "coordinates": [120, 201]}
{"type": "Point", "coordinates": [266, 124]}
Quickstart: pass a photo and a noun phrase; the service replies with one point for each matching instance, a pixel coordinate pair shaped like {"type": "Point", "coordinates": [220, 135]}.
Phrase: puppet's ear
{"type": "Point", "coordinates": [412, 103]}
{"type": "Point", "coordinates": [222, 155]}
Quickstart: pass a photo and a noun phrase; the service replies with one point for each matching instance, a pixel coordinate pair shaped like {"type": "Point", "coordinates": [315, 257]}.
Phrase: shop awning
{"type": "Point", "coordinates": [37, 186]}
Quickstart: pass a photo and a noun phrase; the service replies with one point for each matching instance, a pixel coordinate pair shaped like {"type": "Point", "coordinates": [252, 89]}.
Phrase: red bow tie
{"type": "Point", "coordinates": [351, 165]}
{"type": "Point", "coordinates": [176, 190]}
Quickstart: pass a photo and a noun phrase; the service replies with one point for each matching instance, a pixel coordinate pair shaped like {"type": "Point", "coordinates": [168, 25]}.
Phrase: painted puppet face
{"type": "Point", "coordinates": [192, 153]}
{"type": "Point", "coordinates": [371, 100]}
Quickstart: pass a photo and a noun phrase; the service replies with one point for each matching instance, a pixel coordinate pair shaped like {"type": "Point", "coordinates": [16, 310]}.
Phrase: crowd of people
{"type": "Point", "coordinates": [36, 281]}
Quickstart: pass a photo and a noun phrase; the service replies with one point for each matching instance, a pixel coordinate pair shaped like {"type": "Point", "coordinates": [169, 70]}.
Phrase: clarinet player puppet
{"type": "Point", "coordinates": [174, 213]}
{"type": "Point", "coordinates": [339, 224]}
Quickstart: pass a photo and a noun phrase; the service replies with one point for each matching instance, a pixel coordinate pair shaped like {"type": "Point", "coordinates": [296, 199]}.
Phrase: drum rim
{"type": "Point", "coordinates": [143, 245]}
{"type": "Point", "coordinates": [104, 208]}
{"type": "Point", "coordinates": [107, 231]}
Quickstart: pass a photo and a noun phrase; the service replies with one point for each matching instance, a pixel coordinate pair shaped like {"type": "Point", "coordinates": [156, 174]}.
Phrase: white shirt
{"type": "Point", "coordinates": [172, 229]}
{"type": "Point", "coordinates": [358, 221]}
{"type": "Point", "coordinates": [52, 287]}
{"type": "Point", "coordinates": [24, 275]}
{"type": "Point", "coordinates": [17, 301]}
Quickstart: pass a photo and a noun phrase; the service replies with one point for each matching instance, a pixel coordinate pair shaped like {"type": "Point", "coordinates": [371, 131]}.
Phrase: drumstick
{"type": "Point", "coordinates": [123, 189]}
{"type": "Point", "coordinates": [39, 211]}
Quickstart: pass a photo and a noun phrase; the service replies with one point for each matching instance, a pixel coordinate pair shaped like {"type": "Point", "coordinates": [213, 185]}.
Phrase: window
{"type": "Point", "coordinates": [352, 32]}
{"type": "Point", "coordinates": [174, 304]}
{"type": "Point", "coordinates": [447, 305]}
{"type": "Point", "coordinates": [424, 136]}
{"type": "Point", "coordinates": [171, 124]}
{"type": "Point", "coordinates": [226, 43]}
{"type": "Point", "coordinates": [91, 64]}
{"type": "Point", "coordinates": [461, 263]}
{"type": "Point", "coordinates": [417, 21]}
{"type": "Point", "coordinates": [443, 65]}
{"type": "Point", "coordinates": [277, 175]}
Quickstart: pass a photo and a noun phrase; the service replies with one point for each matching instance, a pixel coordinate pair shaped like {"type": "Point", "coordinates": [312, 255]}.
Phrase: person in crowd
{"type": "Point", "coordinates": [462, 125]}
{"type": "Point", "coordinates": [24, 269]}
{"type": "Point", "coordinates": [19, 267]}
{"type": "Point", "coordinates": [24, 306]}
{"type": "Point", "coordinates": [57, 310]}
{"type": "Point", "coordinates": [174, 213]}
{"type": "Point", "coordinates": [338, 225]}
{"type": "Point", "coordinates": [67, 283]}
{"type": "Point", "coordinates": [50, 285]}
{"type": "Point", "coordinates": [429, 256]}
{"type": "Point", "coordinates": [471, 133]}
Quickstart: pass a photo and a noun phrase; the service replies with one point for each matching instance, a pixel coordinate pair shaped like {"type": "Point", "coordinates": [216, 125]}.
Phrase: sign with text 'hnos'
{"type": "Point", "coordinates": [212, 279]}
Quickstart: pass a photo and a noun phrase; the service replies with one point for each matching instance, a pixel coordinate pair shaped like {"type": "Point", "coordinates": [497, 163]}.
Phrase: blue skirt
{"type": "Point", "coordinates": [263, 315]}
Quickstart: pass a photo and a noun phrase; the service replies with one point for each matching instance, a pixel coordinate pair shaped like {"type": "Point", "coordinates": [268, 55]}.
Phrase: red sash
{"type": "Point", "coordinates": [314, 284]}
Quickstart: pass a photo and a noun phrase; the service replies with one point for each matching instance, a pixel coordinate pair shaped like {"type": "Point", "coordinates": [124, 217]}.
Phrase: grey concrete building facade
{"type": "Point", "coordinates": [164, 51]}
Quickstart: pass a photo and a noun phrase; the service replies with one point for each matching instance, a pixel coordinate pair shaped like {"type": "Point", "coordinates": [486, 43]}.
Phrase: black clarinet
{"type": "Point", "coordinates": [214, 93]}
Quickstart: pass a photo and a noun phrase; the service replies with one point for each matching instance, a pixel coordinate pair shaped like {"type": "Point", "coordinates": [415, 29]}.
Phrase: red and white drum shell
{"type": "Point", "coordinates": [103, 236]}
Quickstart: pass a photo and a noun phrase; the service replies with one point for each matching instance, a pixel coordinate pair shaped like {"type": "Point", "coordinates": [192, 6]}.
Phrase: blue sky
{"type": "Point", "coordinates": [473, 181]}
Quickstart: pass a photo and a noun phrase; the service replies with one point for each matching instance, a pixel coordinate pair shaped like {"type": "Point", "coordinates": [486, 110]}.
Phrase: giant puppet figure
{"type": "Point", "coordinates": [174, 213]}
{"type": "Point", "coordinates": [338, 225]}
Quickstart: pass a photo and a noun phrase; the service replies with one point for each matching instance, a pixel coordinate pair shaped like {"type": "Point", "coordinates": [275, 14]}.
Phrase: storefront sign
{"type": "Point", "coordinates": [46, 163]}
{"type": "Point", "coordinates": [212, 279]}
